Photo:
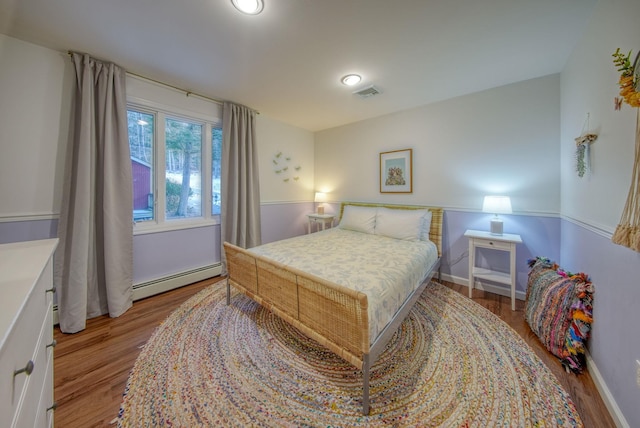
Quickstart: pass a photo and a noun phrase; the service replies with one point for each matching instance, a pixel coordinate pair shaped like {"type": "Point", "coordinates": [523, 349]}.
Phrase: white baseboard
{"type": "Point", "coordinates": [495, 289]}
{"type": "Point", "coordinates": [160, 285]}
{"type": "Point", "coordinates": [605, 394]}
{"type": "Point", "coordinates": [601, 386]}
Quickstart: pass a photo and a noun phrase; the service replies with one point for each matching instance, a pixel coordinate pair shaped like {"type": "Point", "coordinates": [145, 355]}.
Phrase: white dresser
{"type": "Point", "coordinates": [26, 334]}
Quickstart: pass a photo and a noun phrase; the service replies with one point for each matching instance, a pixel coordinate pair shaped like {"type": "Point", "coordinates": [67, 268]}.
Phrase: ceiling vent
{"type": "Point", "coordinates": [368, 92]}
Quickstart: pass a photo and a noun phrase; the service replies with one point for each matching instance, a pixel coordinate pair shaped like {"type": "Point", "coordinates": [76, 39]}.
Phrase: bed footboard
{"type": "Point", "coordinates": [333, 315]}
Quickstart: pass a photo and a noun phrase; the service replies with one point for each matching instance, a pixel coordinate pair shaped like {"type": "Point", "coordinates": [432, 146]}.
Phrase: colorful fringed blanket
{"type": "Point", "coordinates": [558, 309]}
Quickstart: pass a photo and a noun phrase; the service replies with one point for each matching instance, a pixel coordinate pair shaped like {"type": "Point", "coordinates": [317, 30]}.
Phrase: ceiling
{"type": "Point", "coordinates": [287, 62]}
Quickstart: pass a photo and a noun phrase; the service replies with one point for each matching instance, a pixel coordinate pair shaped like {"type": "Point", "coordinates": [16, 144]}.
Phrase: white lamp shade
{"type": "Point", "coordinates": [320, 197]}
{"type": "Point", "coordinates": [497, 205]}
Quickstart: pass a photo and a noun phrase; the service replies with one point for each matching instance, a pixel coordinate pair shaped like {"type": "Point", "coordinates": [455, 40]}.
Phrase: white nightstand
{"type": "Point", "coordinates": [322, 219]}
{"type": "Point", "coordinates": [505, 242]}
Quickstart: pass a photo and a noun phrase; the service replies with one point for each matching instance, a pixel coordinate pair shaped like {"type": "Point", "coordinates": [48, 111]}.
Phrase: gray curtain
{"type": "Point", "coordinates": [94, 262]}
{"type": "Point", "coordinates": [240, 189]}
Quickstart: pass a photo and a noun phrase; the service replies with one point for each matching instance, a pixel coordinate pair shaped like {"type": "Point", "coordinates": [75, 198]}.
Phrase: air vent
{"type": "Point", "coordinates": [367, 92]}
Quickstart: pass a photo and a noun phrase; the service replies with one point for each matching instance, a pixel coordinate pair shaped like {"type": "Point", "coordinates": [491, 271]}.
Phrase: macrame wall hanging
{"type": "Point", "coordinates": [582, 148]}
{"type": "Point", "coordinates": [627, 233]}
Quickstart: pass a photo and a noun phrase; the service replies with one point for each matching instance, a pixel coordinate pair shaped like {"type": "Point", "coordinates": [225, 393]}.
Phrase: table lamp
{"type": "Point", "coordinates": [320, 198]}
{"type": "Point", "coordinates": [496, 205]}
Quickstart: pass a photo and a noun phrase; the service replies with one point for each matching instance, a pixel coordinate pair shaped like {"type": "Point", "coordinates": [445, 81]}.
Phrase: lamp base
{"type": "Point", "coordinates": [320, 210]}
{"type": "Point", "coordinates": [496, 226]}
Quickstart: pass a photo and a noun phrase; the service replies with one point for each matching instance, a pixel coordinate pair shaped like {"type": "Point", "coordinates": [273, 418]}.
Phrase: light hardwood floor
{"type": "Point", "coordinates": [92, 367]}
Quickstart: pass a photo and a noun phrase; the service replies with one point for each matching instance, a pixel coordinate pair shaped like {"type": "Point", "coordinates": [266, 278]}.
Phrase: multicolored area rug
{"type": "Point", "coordinates": [452, 364]}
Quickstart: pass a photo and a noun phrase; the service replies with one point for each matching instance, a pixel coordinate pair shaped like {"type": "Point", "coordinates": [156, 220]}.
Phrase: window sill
{"type": "Point", "coordinates": [144, 228]}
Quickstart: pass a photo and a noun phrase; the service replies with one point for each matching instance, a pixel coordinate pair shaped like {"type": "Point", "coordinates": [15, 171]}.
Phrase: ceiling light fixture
{"type": "Point", "coordinates": [351, 79]}
{"type": "Point", "coordinates": [250, 7]}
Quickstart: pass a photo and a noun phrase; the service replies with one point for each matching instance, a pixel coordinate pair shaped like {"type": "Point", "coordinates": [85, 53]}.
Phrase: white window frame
{"type": "Point", "coordinates": [161, 113]}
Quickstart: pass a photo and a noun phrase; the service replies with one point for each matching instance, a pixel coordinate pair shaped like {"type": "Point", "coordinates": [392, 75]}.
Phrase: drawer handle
{"type": "Point", "coordinates": [52, 344]}
{"type": "Point", "coordinates": [28, 369]}
{"type": "Point", "coordinates": [54, 406]}
{"type": "Point", "coordinates": [51, 290]}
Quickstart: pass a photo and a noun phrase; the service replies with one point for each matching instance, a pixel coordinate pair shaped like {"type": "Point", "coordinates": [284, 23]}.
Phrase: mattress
{"type": "Point", "coordinates": [387, 270]}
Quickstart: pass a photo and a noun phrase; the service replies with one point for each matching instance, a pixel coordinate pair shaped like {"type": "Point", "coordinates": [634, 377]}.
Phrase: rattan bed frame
{"type": "Point", "coordinates": [333, 315]}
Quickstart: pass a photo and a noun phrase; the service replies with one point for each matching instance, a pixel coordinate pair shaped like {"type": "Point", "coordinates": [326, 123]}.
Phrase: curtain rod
{"type": "Point", "coordinates": [187, 93]}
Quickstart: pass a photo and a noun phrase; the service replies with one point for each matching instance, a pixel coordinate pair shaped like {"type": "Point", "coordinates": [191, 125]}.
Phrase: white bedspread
{"type": "Point", "coordinates": [387, 270]}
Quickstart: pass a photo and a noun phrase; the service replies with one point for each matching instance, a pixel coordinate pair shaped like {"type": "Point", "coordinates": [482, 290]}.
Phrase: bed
{"type": "Point", "coordinates": [349, 287]}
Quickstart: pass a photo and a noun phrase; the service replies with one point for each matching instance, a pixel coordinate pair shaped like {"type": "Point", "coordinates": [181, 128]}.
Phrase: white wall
{"type": "Point", "coordinates": [35, 84]}
{"type": "Point", "coordinates": [500, 141]}
{"type": "Point", "coordinates": [589, 85]}
{"type": "Point", "coordinates": [164, 97]}
{"type": "Point", "coordinates": [292, 185]}
{"type": "Point", "coordinates": [592, 205]}
{"type": "Point", "coordinates": [285, 200]}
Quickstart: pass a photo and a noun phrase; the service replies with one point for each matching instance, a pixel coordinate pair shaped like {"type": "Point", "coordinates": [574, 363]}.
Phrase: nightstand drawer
{"type": "Point", "coordinates": [494, 244]}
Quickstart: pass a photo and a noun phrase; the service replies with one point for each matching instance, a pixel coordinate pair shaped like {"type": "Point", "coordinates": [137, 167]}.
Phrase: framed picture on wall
{"type": "Point", "coordinates": [396, 171]}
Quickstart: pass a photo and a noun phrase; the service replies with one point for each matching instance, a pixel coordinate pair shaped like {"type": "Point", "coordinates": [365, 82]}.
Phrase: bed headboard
{"type": "Point", "coordinates": [437, 216]}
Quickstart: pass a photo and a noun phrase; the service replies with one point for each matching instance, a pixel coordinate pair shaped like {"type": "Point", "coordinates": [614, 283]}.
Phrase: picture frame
{"type": "Point", "coordinates": [396, 171]}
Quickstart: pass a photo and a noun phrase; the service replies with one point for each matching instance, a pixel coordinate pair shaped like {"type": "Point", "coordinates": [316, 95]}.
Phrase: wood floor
{"type": "Point", "coordinates": [92, 367]}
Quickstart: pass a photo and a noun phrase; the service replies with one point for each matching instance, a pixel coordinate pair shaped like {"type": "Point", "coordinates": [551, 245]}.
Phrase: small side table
{"type": "Point", "coordinates": [322, 219]}
{"type": "Point", "coordinates": [505, 242]}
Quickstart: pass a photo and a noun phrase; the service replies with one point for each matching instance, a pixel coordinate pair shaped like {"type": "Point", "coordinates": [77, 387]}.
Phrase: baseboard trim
{"type": "Point", "coordinates": [483, 286]}
{"type": "Point", "coordinates": [151, 288]}
{"type": "Point", "coordinates": [605, 393]}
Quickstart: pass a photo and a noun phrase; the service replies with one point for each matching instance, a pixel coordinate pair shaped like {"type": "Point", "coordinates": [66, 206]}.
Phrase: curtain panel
{"type": "Point", "coordinates": [93, 269]}
{"type": "Point", "coordinates": [240, 189]}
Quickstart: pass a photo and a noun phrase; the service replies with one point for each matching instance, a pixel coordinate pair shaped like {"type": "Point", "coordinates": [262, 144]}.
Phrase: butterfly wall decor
{"type": "Point", "coordinates": [617, 103]}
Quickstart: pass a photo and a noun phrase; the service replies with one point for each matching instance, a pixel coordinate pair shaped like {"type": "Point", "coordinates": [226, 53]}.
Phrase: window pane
{"type": "Point", "coordinates": [216, 162]}
{"type": "Point", "coordinates": [141, 141]}
{"type": "Point", "coordinates": [183, 160]}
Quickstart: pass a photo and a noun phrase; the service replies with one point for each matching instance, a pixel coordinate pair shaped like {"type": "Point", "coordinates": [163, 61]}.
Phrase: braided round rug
{"type": "Point", "coordinates": [452, 364]}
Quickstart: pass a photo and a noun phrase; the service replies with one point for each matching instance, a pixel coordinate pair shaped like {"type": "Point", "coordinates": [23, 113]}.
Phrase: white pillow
{"type": "Point", "coordinates": [401, 224]}
{"type": "Point", "coordinates": [360, 219]}
{"type": "Point", "coordinates": [426, 226]}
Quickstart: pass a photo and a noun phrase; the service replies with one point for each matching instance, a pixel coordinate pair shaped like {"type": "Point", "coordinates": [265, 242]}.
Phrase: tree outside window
{"type": "Point", "coordinates": [168, 169]}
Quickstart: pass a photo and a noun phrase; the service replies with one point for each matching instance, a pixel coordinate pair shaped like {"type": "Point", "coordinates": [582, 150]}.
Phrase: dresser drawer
{"type": "Point", "coordinates": [32, 390]}
{"type": "Point", "coordinates": [20, 347]}
{"type": "Point", "coordinates": [44, 417]}
{"type": "Point", "coordinates": [26, 328]}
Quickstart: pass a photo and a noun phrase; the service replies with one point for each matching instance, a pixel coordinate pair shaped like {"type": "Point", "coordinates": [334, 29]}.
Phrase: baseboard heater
{"type": "Point", "coordinates": [160, 285]}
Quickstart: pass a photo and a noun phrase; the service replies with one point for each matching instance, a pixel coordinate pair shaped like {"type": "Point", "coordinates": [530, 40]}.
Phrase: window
{"type": "Point", "coordinates": [141, 137]}
{"type": "Point", "coordinates": [170, 160]}
{"type": "Point", "coordinates": [183, 159]}
{"type": "Point", "coordinates": [216, 167]}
